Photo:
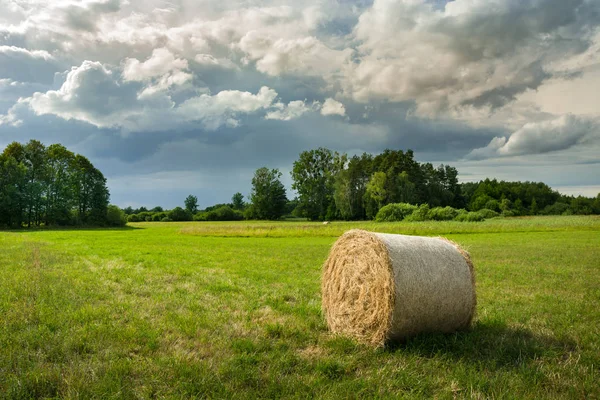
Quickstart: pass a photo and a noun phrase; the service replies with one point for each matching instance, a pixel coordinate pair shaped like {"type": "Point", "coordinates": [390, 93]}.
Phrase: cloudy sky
{"type": "Point", "coordinates": [169, 98]}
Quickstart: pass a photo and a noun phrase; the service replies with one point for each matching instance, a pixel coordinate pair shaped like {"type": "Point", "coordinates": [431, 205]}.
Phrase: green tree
{"type": "Point", "coordinates": [115, 216]}
{"type": "Point", "coordinates": [376, 193]}
{"type": "Point", "coordinates": [12, 181]}
{"type": "Point", "coordinates": [179, 214]}
{"type": "Point", "coordinates": [533, 209]}
{"type": "Point", "coordinates": [268, 194]}
{"type": "Point", "coordinates": [342, 195]}
{"type": "Point", "coordinates": [35, 161]}
{"type": "Point", "coordinates": [49, 185]}
{"type": "Point", "coordinates": [191, 204]}
{"type": "Point", "coordinates": [314, 176]}
{"type": "Point", "coordinates": [59, 190]}
{"type": "Point", "coordinates": [237, 201]}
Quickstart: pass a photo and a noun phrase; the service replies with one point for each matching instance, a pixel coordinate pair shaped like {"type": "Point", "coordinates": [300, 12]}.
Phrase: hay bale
{"type": "Point", "coordinates": [378, 287]}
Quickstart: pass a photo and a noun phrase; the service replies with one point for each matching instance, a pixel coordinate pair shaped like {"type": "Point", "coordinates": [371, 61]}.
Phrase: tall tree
{"type": "Point", "coordinates": [237, 201]}
{"type": "Point", "coordinates": [314, 176]}
{"type": "Point", "coordinates": [191, 204]}
{"type": "Point", "coordinates": [376, 193]}
{"type": "Point", "coordinates": [49, 185]}
{"type": "Point", "coordinates": [268, 194]}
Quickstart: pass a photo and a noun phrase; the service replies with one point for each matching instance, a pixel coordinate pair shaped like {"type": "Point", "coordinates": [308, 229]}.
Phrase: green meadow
{"type": "Point", "coordinates": [232, 310]}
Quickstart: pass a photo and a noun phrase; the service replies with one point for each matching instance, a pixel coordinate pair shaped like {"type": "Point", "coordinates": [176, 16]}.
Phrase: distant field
{"type": "Point", "coordinates": [179, 310]}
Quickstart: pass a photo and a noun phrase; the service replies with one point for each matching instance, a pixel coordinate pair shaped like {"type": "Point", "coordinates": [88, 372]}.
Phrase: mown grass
{"type": "Point", "coordinates": [180, 311]}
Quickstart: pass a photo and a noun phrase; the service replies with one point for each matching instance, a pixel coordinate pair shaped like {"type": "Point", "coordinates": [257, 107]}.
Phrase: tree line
{"type": "Point", "coordinates": [51, 185]}
{"type": "Point", "coordinates": [334, 186]}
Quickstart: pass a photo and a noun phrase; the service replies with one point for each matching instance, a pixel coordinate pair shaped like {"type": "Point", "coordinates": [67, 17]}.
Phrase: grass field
{"type": "Point", "coordinates": [232, 310]}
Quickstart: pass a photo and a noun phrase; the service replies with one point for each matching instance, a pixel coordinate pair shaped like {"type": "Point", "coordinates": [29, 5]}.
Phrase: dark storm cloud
{"type": "Point", "coordinates": [172, 97]}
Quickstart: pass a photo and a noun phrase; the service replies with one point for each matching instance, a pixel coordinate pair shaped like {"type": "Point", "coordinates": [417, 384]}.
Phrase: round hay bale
{"type": "Point", "coordinates": [379, 287]}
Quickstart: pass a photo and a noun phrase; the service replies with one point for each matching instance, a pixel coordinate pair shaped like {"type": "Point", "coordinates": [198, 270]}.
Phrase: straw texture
{"type": "Point", "coordinates": [378, 287]}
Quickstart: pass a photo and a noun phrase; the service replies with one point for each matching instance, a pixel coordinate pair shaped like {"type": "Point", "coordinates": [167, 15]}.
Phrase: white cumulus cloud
{"type": "Point", "coordinates": [333, 107]}
{"type": "Point", "coordinates": [541, 137]}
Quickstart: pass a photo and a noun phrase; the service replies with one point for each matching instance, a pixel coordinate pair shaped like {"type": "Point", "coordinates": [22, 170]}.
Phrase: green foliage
{"type": "Point", "coordinates": [395, 212]}
{"type": "Point", "coordinates": [480, 202]}
{"type": "Point", "coordinates": [520, 197]}
{"type": "Point", "coordinates": [376, 193]}
{"type": "Point", "coordinates": [314, 175]}
{"type": "Point", "coordinates": [115, 216]}
{"type": "Point", "coordinates": [493, 205]}
{"type": "Point", "coordinates": [420, 214]}
{"type": "Point", "coordinates": [268, 194]}
{"type": "Point", "coordinates": [470, 217]}
{"type": "Point", "coordinates": [487, 213]}
{"type": "Point", "coordinates": [237, 201]}
{"type": "Point", "coordinates": [442, 213]}
{"type": "Point", "coordinates": [557, 208]}
{"type": "Point", "coordinates": [159, 216]}
{"type": "Point", "coordinates": [42, 185]}
{"type": "Point", "coordinates": [582, 205]}
{"type": "Point", "coordinates": [179, 214]}
{"type": "Point", "coordinates": [191, 204]}
{"type": "Point", "coordinates": [533, 209]}
{"type": "Point", "coordinates": [224, 213]}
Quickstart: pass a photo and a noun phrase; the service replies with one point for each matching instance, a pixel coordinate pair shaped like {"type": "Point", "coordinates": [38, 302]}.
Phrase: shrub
{"type": "Point", "coordinates": [159, 216]}
{"type": "Point", "coordinates": [493, 205]}
{"type": "Point", "coordinates": [442, 213]}
{"type": "Point", "coordinates": [133, 218]}
{"type": "Point", "coordinates": [508, 213]}
{"type": "Point", "coordinates": [469, 217]}
{"type": "Point", "coordinates": [166, 219]}
{"type": "Point", "coordinates": [480, 202]}
{"type": "Point", "coordinates": [420, 214]}
{"type": "Point", "coordinates": [555, 209]}
{"type": "Point", "coordinates": [179, 214]}
{"type": "Point", "coordinates": [487, 213]}
{"type": "Point", "coordinates": [250, 212]}
{"type": "Point", "coordinates": [200, 216]}
{"type": "Point", "coordinates": [395, 212]}
{"type": "Point", "coordinates": [224, 213]}
{"type": "Point", "coordinates": [115, 216]}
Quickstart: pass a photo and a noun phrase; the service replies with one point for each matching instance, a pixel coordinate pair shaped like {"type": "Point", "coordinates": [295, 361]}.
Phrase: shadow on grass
{"type": "Point", "coordinates": [488, 343]}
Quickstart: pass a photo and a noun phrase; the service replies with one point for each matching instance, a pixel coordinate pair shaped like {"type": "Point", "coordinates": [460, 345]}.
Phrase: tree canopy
{"type": "Point", "coordinates": [50, 186]}
{"type": "Point", "coordinates": [268, 194]}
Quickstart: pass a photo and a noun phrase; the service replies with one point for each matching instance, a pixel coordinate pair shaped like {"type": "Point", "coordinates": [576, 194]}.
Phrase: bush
{"type": "Point", "coordinates": [133, 218]}
{"type": "Point", "coordinates": [469, 217]}
{"type": "Point", "coordinates": [200, 216]}
{"type": "Point", "coordinates": [395, 212]}
{"type": "Point", "coordinates": [420, 214]}
{"type": "Point", "coordinates": [179, 214]}
{"type": "Point", "coordinates": [555, 209]}
{"type": "Point", "coordinates": [115, 216]}
{"type": "Point", "coordinates": [166, 219]}
{"type": "Point", "coordinates": [508, 213]}
{"type": "Point", "coordinates": [159, 216]}
{"type": "Point", "coordinates": [493, 205]}
{"type": "Point", "coordinates": [442, 213]}
{"type": "Point", "coordinates": [487, 213]}
{"type": "Point", "coordinates": [250, 212]}
{"type": "Point", "coordinates": [224, 213]}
